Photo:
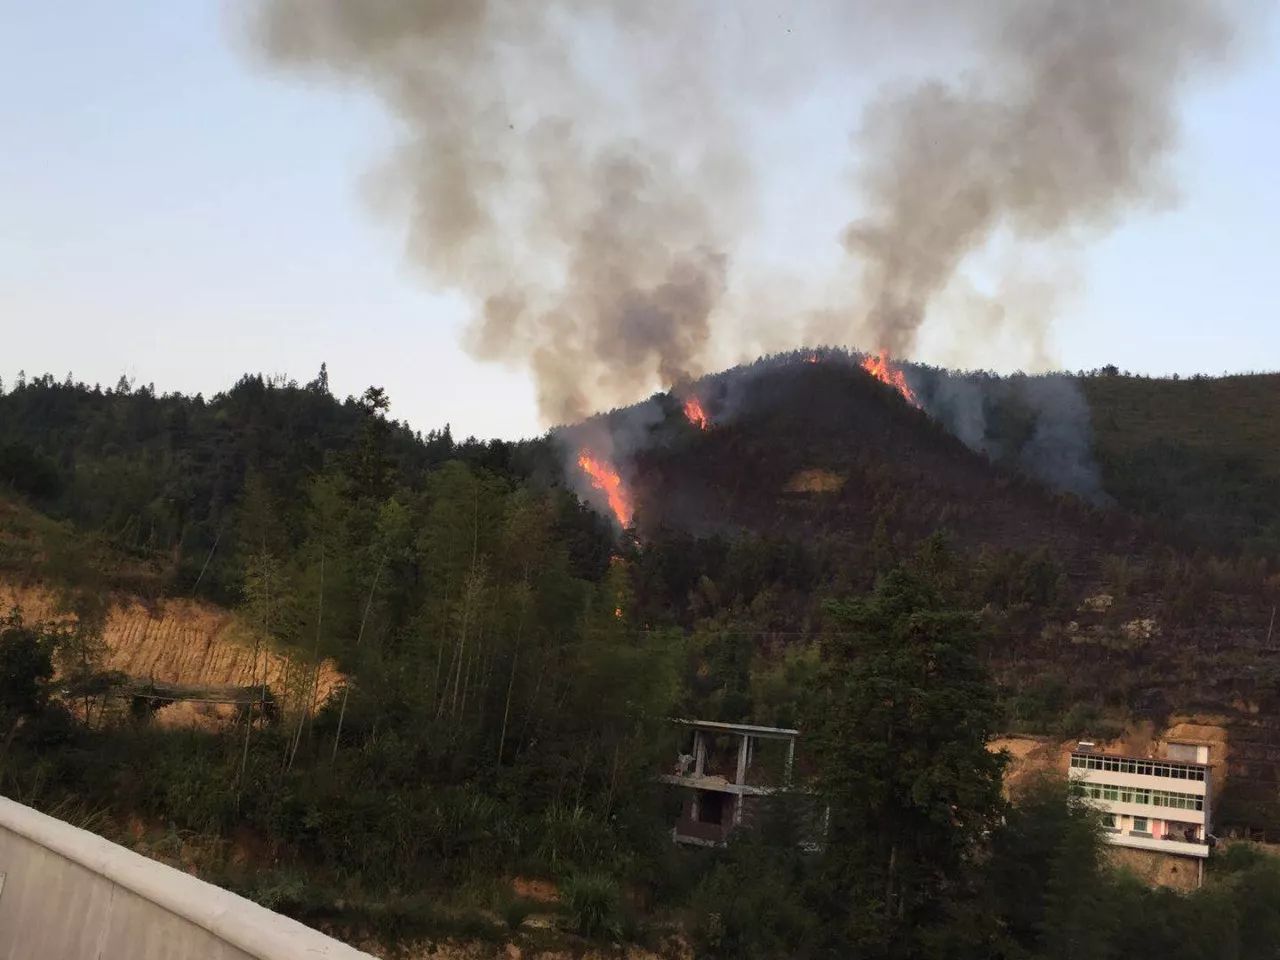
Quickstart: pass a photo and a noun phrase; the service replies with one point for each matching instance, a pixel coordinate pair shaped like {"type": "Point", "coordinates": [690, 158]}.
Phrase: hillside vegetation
{"type": "Point", "coordinates": [1095, 612]}
{"type": "Point", "coordinates": [508, 657]}
{"type": "Point", "coordinates": [1200, 455]}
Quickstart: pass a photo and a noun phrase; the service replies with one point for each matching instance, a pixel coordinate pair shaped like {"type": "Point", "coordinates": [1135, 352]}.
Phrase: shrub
{"type": "Point", "coordinates": [1238, 857]}
{"type": "Point", "coordinates": [752, 904]}
{"type": "Point", "coordinates": [750, 911]}
{"type": "Point", "coordinates": [29, 471]}
{"type": "Point", "coordinates": [281, 890]}
{"type": "Point", "coordinates": [593, 902]}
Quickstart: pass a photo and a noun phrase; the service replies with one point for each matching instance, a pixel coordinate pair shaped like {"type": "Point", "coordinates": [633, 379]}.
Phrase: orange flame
{"type": "Point", "coordinates": [811, 358]}
{"type": "Point", "coordinates": [697, 416]}
{"type": "Point", "coordinates": [884, 371]}
{"type": "Point", "coordinates": [605, 479]}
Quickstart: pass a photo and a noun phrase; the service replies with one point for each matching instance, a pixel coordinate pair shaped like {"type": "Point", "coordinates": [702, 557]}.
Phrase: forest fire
{"type": "Point", "coordinates": [695, 414]}
{"type": "Point", "coordinates": [606, 479]}
{"type": "Point", "coordinates": [884, 371]}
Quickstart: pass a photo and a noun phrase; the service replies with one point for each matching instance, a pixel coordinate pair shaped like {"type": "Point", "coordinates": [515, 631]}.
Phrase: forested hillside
{"type": "Point", "coordinates": [175, 478]}
{"type": "Point", "coordinates": [812, 480]}
{"type": "Point", "coordinates": [1197, 457]}
{"type": "Point", "coordinates": [510, 655]}
{"type": "Point", "coordinates": [1200, 455]}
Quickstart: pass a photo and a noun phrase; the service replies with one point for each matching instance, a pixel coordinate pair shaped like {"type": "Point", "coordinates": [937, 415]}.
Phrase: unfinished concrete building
{"type": "Point", "coordinates": [726, 769]}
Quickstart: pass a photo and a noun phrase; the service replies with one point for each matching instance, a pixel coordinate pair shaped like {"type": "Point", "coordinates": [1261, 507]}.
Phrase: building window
{"type": "Point", "coordinates": [1141, 825]}
{"type": "Point", "coordinates": [1166, 769]}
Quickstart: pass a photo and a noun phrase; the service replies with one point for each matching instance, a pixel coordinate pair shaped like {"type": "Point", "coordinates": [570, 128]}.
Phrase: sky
{"type": "Point", "coordinates": [175, 213]}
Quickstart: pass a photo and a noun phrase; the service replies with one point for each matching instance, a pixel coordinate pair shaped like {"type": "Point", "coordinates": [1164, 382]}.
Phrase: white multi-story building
{"type": "Point", "coordinates": [1148, 804]}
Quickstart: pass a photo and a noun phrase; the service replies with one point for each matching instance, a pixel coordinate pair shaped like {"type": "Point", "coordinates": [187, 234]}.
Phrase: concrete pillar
{"type": "Point", "coordinates": [742, 760]}
{"type": "Point", "coordinates": [741, 778]}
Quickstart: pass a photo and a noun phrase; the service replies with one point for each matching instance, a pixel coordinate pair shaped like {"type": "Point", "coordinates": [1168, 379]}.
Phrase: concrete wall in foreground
{"type": "Point", "coordinates": [67, 894]}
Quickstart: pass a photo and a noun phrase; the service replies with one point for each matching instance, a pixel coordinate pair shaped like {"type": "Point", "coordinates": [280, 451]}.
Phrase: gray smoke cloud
{"type": "Point", "coordinates": [1068, 127]}
{"type": "Point", "coordinates": [589, 236]}
{"type": "Point", "coordinates": [576, 169]}
{"type": "Point", "coordinates": [1041, 424]}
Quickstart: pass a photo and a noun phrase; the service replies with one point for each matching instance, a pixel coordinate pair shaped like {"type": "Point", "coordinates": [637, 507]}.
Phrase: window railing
{"type": "Point", "coordinates": [1150, 768]}
{"type": "Point", "coordinates": [1152, 798]}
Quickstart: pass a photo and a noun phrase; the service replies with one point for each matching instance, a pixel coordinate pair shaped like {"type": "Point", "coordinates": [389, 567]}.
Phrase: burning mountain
{"type": "Point", "coordinates": [591, 209]}
{"type": "Point", "coordinates": [875, 455]}
{"type": "Point", "coordinates": [1037, 426]}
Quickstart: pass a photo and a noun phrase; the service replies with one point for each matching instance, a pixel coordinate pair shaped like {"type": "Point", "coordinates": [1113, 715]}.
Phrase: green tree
{"type": "Point", "coordinates": [369, 464]}
{"type": "Point", "coordinates": [899, 739]}
{"type": "Point", "coordinates": [1045, 878]}
{"type": "Point", "coordinates": [751, 904]}
{"type": "Point", "coordinates": [26, 671]}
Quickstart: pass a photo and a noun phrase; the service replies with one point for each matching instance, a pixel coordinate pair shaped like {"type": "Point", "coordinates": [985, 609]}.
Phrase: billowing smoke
{"type": "Point", "coordinates": [588, 235]}
{"type": "Point", "coordinates": [1066, 129]}
{"type": "Point", "coordinates": [1040, 424]}
{"type": "Point", "coordinates": [578, 170]}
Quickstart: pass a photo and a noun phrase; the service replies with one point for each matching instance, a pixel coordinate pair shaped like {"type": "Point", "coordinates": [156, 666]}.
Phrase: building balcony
{"type": "Point", "coordinates": [1145, 841]}
{"type": "Point", "coordinates": [717, 783]}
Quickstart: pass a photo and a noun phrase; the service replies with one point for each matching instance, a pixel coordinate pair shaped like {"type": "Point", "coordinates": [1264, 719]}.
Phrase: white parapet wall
{"type": "Point", "coordinates": [67, 894]}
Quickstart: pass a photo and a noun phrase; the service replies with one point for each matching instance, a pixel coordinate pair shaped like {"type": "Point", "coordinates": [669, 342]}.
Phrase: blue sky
{"type": "Point", "coordinates": [171, 212]}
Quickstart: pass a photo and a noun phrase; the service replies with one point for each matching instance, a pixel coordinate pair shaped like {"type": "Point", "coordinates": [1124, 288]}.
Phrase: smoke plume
{"type": "Point", "coordinates": [1040, 424]}
{"type": "Point", "coordinates": [564, 205]}
{"type": "Point", "coordinates": [1066, 130]}
{"type": "Point", "coordinates": [578, 170]}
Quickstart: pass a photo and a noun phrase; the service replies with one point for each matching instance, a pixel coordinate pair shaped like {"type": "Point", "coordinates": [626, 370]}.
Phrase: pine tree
{"type": "Point", "coordinates": [899, 735]}
{"type": "Point", "coordinates": [321, 383]}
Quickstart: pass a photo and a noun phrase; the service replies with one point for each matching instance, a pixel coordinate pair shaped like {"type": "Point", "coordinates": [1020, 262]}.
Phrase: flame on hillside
{"type": "Point", "coordinates": [695, 414]}
{"type": "Point", "coordinates": [607, 480]}
{"type": "Point", "coordinates": [883, 370]}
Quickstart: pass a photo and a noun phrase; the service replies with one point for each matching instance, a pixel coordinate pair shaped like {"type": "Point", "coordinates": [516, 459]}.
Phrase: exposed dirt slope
{"type": "Point", "coordinates": [1031, 756]}
{"type": "Point", "coordinates": [173, 641]}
